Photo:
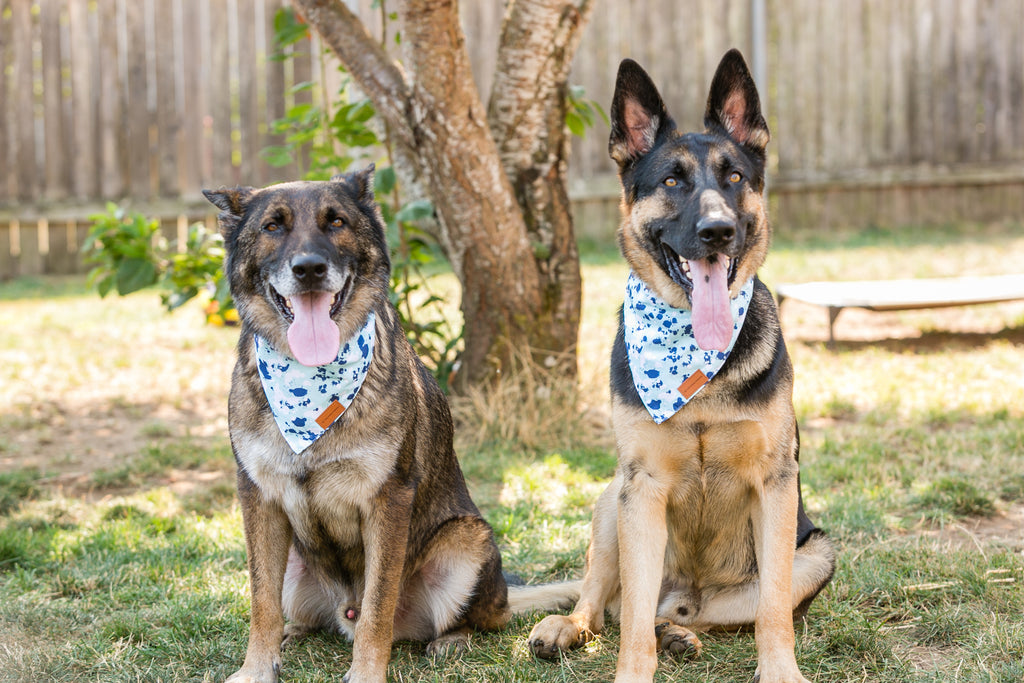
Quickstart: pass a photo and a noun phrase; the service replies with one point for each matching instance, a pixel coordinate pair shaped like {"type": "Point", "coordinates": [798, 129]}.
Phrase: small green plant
{"type": "Point", "coordinates": [125, 249]}
{"type": "Point", "coordinates": [200, 267]}
{"type": "Point", "coordinates": [130, 255]}
{"type": "Point", "coordinates": [581, 112]}
{"type": "Point", "coordinates": [17, 486]}
{"type": "Point", "coordinates": [954, 496]}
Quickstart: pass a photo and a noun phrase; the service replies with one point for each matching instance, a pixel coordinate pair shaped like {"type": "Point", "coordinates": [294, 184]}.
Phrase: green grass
{"type": "Point", "coordinates": [122, 556]}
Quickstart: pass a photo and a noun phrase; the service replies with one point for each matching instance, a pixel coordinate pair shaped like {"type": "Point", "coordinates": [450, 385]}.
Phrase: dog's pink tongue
{"type": "Point", "coordinates": [313, 337]}
{"type": "Point", "coordinates": [712, 313]}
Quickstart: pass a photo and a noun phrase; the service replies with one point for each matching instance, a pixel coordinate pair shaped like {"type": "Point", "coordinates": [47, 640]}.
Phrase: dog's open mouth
{"type": "Point", "coordinates": [313, 336]}
{"type": "Point", "coordinates": [680, 272]}
{"type": "Point", "coordinates": [707, 281]}
{"type": "Point", "coordinates": [285, 305]}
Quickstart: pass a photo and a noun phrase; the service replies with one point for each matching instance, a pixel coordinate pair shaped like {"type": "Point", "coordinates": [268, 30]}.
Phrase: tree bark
{"type": "Point", "coordinates": [497, 177]}
{"type": "Point", "coordinates": [526, 115]}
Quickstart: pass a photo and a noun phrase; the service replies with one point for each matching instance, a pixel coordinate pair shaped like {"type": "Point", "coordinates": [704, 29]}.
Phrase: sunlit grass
{"type": "Point", "coordinates": [122, 556]}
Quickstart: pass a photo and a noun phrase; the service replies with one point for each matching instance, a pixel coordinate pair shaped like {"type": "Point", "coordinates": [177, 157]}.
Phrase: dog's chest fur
{"type": "Point", "coordinates": [324, 487]}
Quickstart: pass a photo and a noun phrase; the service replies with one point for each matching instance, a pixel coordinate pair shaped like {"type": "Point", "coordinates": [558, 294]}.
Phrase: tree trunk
{"type": "Point", "coordinates": [497, 178]}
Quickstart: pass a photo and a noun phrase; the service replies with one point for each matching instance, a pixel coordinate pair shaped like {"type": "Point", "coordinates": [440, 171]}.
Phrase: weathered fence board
{"type": "Point", "coordinates": [884, 111]}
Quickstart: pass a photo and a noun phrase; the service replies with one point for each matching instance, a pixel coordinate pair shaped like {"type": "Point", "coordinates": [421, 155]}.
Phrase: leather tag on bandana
{"type": "Point", "coordinates": [330, 414]}
{"type": "Point", "coordinates": [692, 384]}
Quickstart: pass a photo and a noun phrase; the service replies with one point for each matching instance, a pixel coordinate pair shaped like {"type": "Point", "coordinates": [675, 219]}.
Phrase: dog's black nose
{"type": "Point", "coordinates": [716, 232]}
{"type": "Point", "coordinates": [309, 267]}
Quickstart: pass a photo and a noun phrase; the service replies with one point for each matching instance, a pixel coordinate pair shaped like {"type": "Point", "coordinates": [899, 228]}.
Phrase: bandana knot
{"type": "Point", "coordinates": [667, 365]}
{"type": "Point", "coordinates": [307, 400]}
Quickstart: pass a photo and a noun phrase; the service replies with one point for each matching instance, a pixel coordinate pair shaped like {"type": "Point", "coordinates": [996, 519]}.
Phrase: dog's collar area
{"type": "Point", "coordinates": [667, 365]}
{"type": "Point", "coordinates": [307, 400]}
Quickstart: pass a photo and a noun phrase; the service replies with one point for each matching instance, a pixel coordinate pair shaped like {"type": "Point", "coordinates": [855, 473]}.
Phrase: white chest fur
{"type": "Point", "coordinates": [297, 483]}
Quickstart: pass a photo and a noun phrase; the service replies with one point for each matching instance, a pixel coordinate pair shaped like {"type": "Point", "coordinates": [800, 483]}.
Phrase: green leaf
{"type": "Point", "coordinates": [384, 180]}
{"type": "Point", "coordinates": [363, 111]}
{"type": "Point", "coordinates": [299, 111]}
{"type": "Point", "coordinates": [134, 274]}
{"type": "Point", "coordinates": [277, 155]}
{"type": "Point", "coordinates": [576, 123]}
{"type": "Point", "coordinates": [180, 297]}
{"type": "Point", "coordinates": [105, 285]}
{"type": "Point", "coordinates": [415, 210]}
{"type": "Point", "coordinates": [301, 87]}
{"type": "Point", "coordinates": [288, 30]}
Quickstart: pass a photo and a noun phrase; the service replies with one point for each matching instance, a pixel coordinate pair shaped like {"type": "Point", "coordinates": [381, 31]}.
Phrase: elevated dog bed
{"type": "Point", "coordinates": [902, 295]}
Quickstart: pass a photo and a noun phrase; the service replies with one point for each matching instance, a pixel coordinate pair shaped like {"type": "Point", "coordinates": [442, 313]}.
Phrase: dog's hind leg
{"type": "Point", "coordinates": [455, 587]}
{"type": "Point", "coordinates": [736, 607]}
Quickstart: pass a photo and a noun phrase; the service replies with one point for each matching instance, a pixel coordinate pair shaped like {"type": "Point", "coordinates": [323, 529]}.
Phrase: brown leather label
{"type": "Point", "coordinates": [692, 384]}
{"type": "Point", "coordinates": [330, 414]}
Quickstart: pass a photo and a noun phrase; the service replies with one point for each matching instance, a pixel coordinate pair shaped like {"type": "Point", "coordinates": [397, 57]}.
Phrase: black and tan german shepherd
{"type": "Point", "coordinates": [369, 529]}
{"type": "Point", "coordinates": [703, 525]}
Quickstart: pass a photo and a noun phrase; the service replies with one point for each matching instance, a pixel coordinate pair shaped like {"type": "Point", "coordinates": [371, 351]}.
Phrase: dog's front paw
{"type": "Point", "coordinates": [556, 634]}
{"type": "Point", "coordinates": [250, 674]}
{"type": "Point", "coordinates": [779, 672]}
{"type": "Point", "coordinates": [680, 642]}
{"type": "Point", "coordinates": [354, 677]}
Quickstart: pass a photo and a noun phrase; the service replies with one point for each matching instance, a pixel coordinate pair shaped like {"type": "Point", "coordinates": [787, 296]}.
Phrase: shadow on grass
{"type": "Point", "coordinates": [929, 342]}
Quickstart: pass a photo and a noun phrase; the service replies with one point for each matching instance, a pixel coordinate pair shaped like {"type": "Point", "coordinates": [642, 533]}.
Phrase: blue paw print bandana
{"type": "Point", "coordinates": [307, 400]}
{"type": "Point", "coordinates": [667, 365]}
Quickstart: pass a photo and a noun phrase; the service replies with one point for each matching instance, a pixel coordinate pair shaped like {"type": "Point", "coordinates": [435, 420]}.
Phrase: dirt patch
{"type": "Point", "coordinates": [69, 445]}
{"type": "Point", "coordinates": [1004, 529]}
{"type": "Point", "coordinates": [934, 659]}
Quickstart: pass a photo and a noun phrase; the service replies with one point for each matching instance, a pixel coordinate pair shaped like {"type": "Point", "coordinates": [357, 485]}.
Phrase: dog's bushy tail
{"type": "Point", "coordinates": [544, 597]}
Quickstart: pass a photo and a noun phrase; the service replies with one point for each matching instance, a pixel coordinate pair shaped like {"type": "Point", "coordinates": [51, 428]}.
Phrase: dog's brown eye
{"type": "Point", "coordinates": [735, 177]}
{"type": "Point", "coordinates": [338, 223]}
{"type": "Point", "coordinates": [271, 227]}
{"type": "Point", "coordinates": [671, 182]}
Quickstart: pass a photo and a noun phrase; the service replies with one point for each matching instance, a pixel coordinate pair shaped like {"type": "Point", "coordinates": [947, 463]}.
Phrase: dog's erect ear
{"type": "Point", "coordinates": [232, 203]}
{"type": "Point", "coordinates": [638, 115]}
{"type": "Point", "coordinates": [733, 105]}
{"type": "Point", "coordinates": [360, 182]}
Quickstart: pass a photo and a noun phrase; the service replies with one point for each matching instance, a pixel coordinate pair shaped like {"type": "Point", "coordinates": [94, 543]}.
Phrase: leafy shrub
{"type": "Point", "coordinates": [125, 249]}
{"type": "Point", "coordinates": [130, 255]}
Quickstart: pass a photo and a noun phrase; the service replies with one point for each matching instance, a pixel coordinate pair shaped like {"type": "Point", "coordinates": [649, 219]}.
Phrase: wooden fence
{"type": "Point", "coordinates": [881, 111]}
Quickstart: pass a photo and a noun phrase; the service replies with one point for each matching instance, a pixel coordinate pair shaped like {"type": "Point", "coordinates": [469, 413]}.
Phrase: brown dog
{"type": "Point", "coordinates": [703, 525]}
{"type": "Point", "coordinates": [357, 517]}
